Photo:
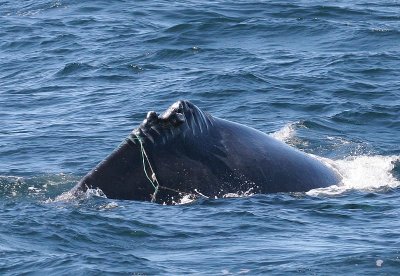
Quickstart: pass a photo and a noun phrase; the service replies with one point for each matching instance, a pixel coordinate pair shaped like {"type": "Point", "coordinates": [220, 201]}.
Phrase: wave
{"type": "Point", "coordinates": [74, 67]}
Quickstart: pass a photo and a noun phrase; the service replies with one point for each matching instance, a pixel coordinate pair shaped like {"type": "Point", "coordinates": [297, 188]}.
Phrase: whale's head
{"type": "Point", "coordinates": [128, 172]}
{"type": "Point", "coordinates": [182, 119]}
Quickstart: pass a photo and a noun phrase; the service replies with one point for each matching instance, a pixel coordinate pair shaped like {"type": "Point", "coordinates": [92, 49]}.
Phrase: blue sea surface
{"type": "Point", "coordinates": [77, 76]}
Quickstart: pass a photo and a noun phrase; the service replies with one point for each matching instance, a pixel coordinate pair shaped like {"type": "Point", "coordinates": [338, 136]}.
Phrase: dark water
{"type": "Point", "coordinates": [76, 77]}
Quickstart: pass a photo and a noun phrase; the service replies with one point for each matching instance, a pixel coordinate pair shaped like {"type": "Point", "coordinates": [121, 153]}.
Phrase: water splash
{"type": "Point", "coordinates": [286, 133]}
{"type": "Point", "coordinates": [185, 199]}
{"type": "Point", "coordinates": [360, 172]}
{"type": "Point", "coordinates": [71, 196]}
{"type": "Point", "coordinates": [247, 193]}
{"type": "Point", "coordinates": [190, 198]}
{"type": "Point", "coordinates": [364, 173]}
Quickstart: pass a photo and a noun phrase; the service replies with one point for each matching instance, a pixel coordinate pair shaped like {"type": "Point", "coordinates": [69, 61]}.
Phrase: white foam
{"type": "Point", "coordinates": [360, 172]}
{"type": "Point", "coordinates": [379, 263]}
{"type": "Point", "coordinates": [73, 196]}
{"type": "Point", "coordinates": [364, 173]}
{"type": "Point", "coordinates": [64, 197]}
{"type": "Point", "coordinates": [286, 133]}
{"type": "Point", "coordinates": [247, 193]}
{"type": "Point", "coordinates": [189, 198]}
{"type": "Point", "coordinates": [108, 206]}
{"type": "Point", "coordinates": [95, 193]}
{"type": "Point", "coordinates": [186, 199]}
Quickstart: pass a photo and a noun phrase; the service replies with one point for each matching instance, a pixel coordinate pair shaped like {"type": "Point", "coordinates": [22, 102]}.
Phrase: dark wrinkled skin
{"type": "Point", "coordinates": [192, 152]}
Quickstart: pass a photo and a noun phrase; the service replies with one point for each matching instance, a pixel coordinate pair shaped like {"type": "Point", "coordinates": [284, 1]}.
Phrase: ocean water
{"type": "Point", "coordinates": [77, 76]}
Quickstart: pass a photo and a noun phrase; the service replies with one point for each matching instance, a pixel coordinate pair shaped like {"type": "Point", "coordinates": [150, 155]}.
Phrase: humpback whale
{"type": "Point", "coordinates": [186, 151]}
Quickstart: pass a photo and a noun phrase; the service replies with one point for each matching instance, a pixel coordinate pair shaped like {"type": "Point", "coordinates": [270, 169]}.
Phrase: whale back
{"type": "Point", "coordinates": [188, 151]}
{"type": "Point", "coordinates": [193, 151]}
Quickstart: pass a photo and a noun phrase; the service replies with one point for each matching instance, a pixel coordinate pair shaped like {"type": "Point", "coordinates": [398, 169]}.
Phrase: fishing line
{"type": "Point", "coordinates": [153, 180]}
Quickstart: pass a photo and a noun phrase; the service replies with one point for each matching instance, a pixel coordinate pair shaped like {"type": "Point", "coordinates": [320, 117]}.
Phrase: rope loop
{"type": "Point", "coordinates": [153, 180]}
